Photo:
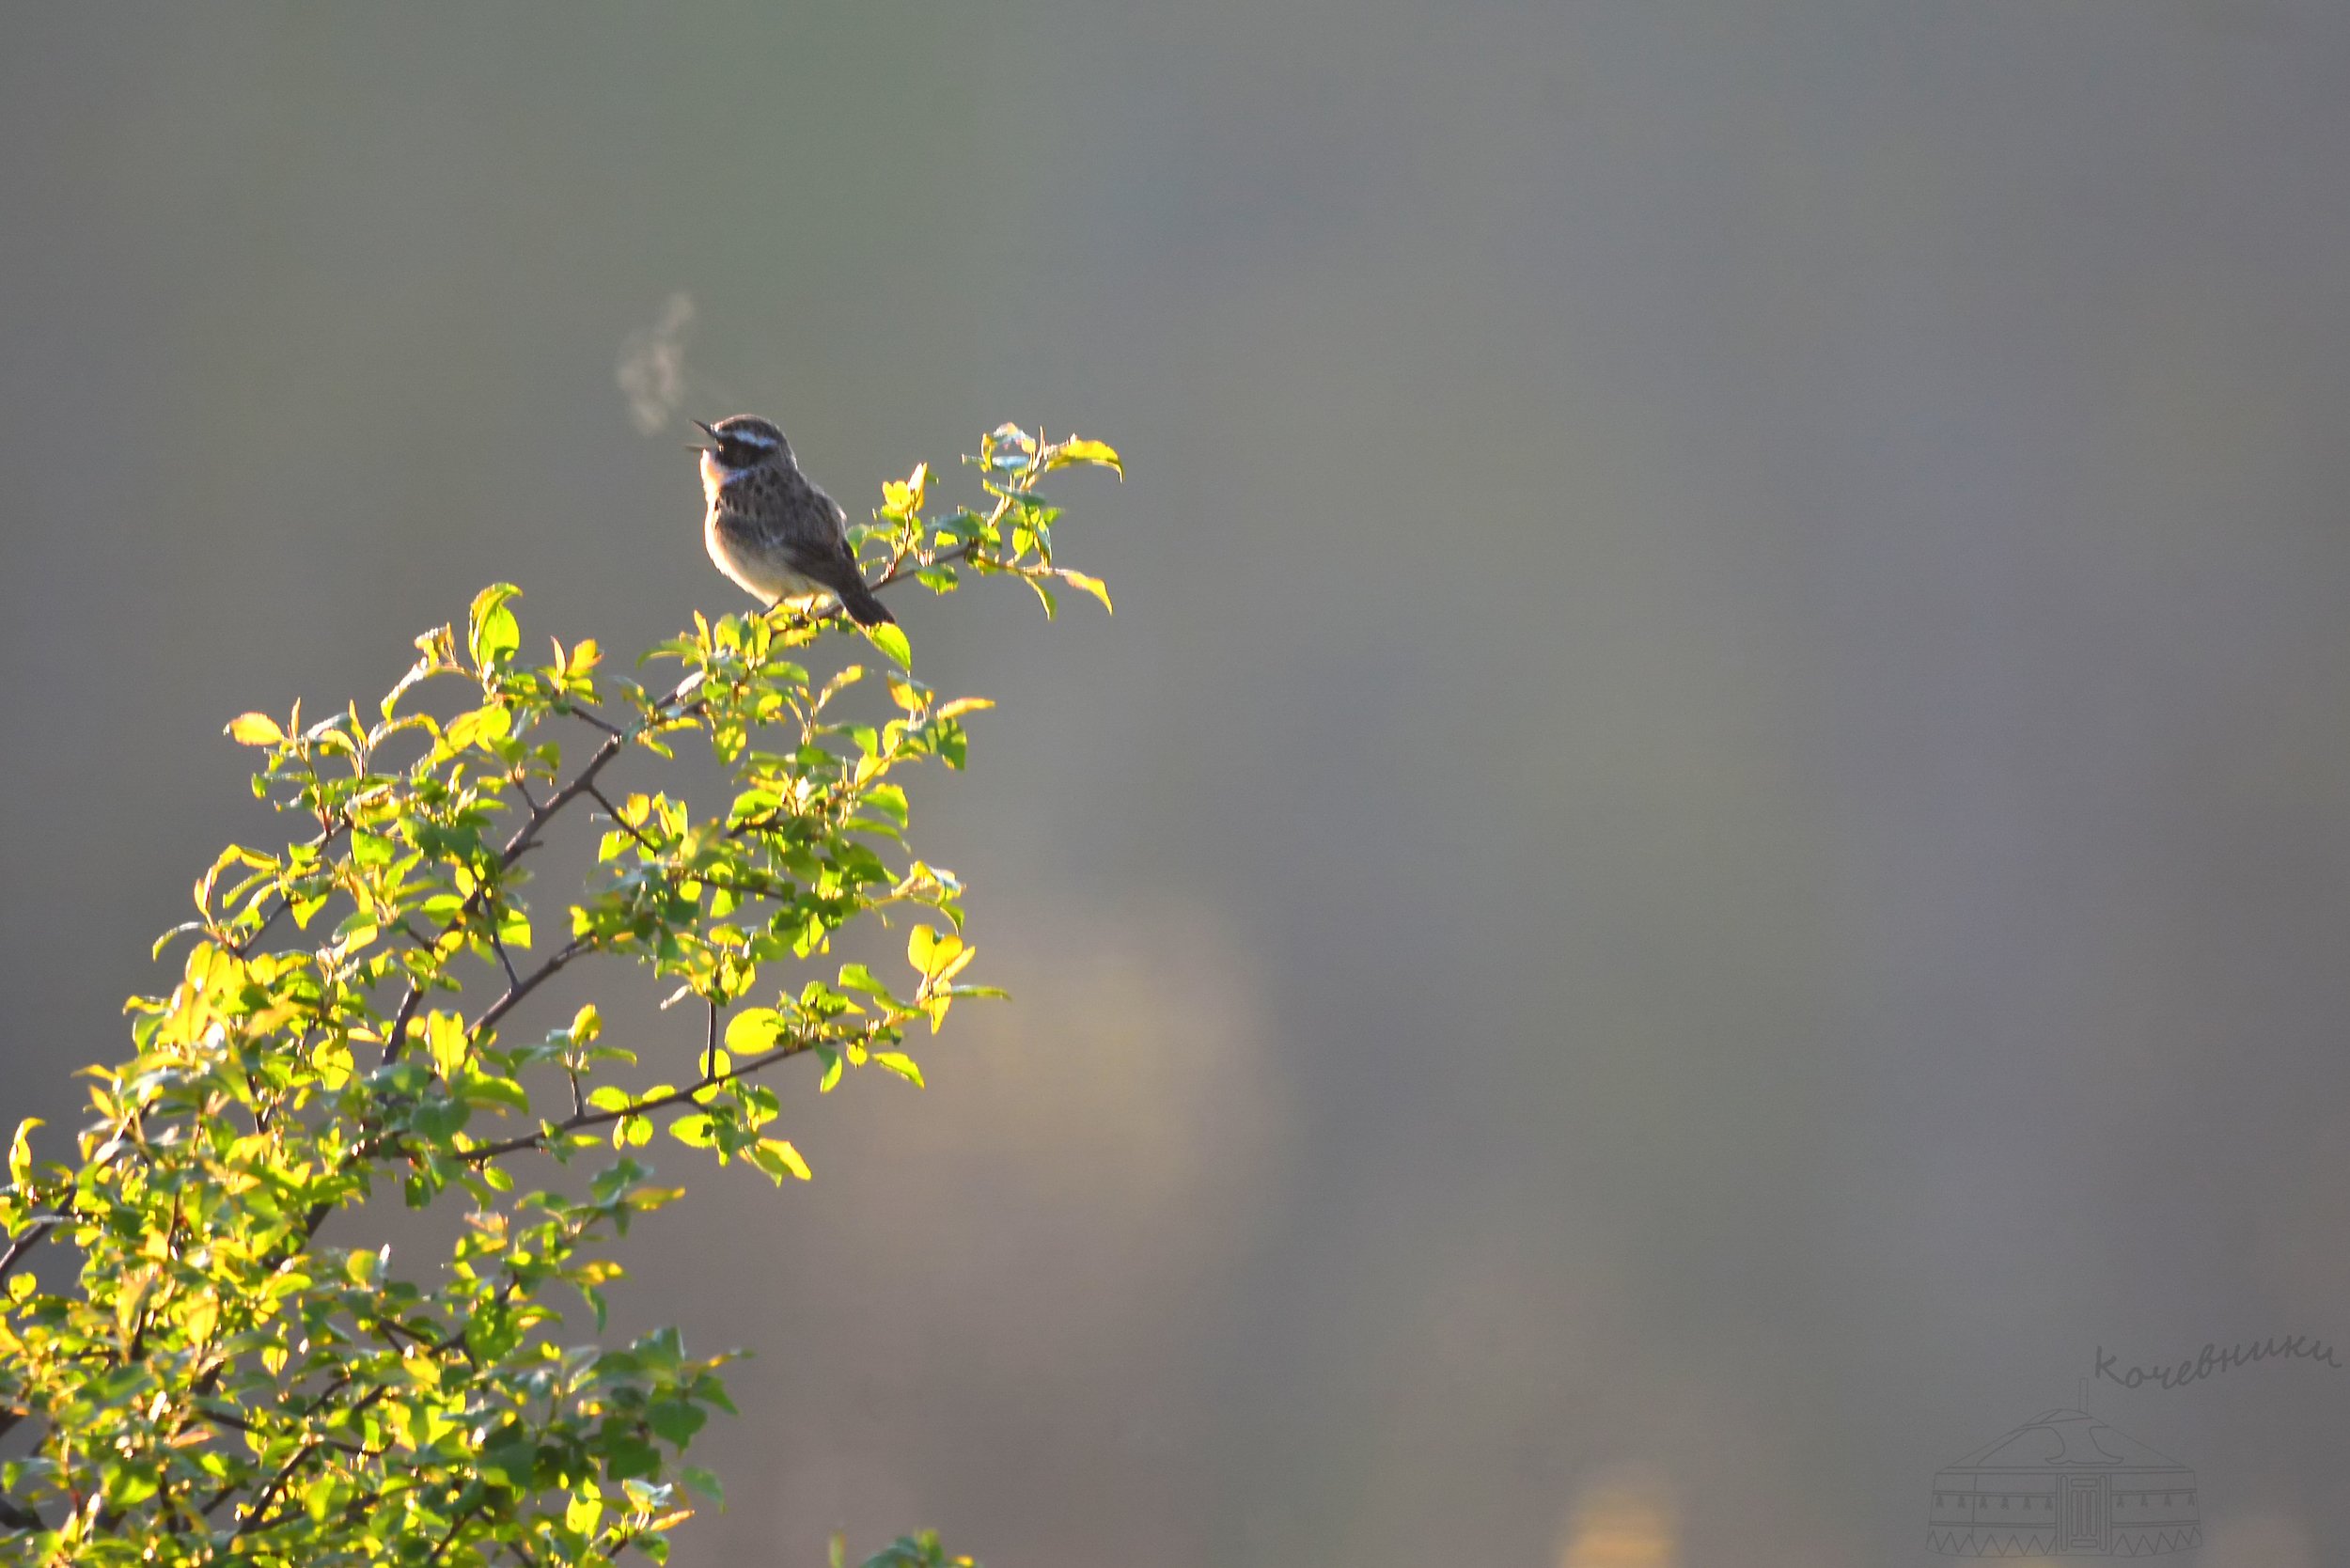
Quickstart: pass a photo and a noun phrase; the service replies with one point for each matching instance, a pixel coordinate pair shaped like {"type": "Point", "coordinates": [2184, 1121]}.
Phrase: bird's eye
{"type": "Point", "coordinates": [736, 454]}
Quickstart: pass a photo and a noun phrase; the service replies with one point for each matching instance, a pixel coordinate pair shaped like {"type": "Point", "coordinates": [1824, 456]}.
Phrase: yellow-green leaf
{"type": "Point", "coordinates": [21, 1155]}
{"type": "Point", "coordinates": [491, 633]}
{"type": "Point", "coordinates": [930, 952]}
{"type": "Point", "coordinates": [891, 639]}
{"type": "Point", "coordinates": [481, 725]}
{"type": "Point", "coordinates": [752, 1030]}
{"type": "Point", "coordinates": [1093, 586]}
{"type": "Point", "coordinates": [781, 1150]}
{"type": "Point", "coordinates": [255, 729]}
{"type": "Point", "coordinates": [1076, 450]}
{"type": "Point", "coordinates": [445, 1036]}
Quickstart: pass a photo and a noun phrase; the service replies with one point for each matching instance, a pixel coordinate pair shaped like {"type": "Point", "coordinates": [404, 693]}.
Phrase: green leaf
{"type": "Point", "coordinates": [490, 630]}
{"type": "Point", "coordinates": [676, 1420]}
{"type": "Point", "coordinates": [889, 800]}
{"type": "Point", "coordinates": [856, 977]}
{"type": "Point", "coordinates": [481, 1089]}
{"type": "Point", "coordinates": [891, 639]}
{"type": "Point", "coordinates": [902, 1064]}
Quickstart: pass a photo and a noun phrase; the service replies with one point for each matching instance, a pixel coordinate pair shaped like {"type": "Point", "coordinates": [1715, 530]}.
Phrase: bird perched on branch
{"type": "Point", "coordinates": [770, 529]}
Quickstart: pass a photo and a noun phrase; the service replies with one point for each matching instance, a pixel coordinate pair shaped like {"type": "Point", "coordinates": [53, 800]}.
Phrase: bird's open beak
{"type": "Point", "coordinates": [705, 429]}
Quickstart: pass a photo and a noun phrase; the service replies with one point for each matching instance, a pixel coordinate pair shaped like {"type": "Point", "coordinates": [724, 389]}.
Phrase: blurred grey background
{"type": "Point", "coordinates": [1712, 837]}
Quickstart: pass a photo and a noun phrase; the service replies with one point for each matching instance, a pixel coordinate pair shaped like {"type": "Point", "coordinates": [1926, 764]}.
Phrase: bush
{"type": "Point", "coordinates": [219, 1382]}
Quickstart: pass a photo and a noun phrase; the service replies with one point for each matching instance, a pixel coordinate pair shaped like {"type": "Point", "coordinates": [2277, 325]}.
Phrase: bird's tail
{"type": "Point", "coordinates": [862, 606]}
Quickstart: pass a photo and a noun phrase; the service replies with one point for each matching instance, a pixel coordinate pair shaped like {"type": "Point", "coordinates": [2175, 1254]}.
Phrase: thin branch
{"type": "Point", "coordinates": [309, 1413]}
{"type": "Point", "coordinates": [221, 1418]}
{"type": "Point", "coordinates": [395, 1038]}
{"type": "Point", "coordinates": [626, 827]}
{"type": "Point", "coordinates": [588, 716]}
{"type": "Point", "coordinates": [268, 1493]}
{"type": "Point", "coordinates": [581, 1119]}
{"type": "Point", "coordinates": [497, 945]}
{"type": "Point", "coordinates": [26, 1240]}
{"type": "Point", "coordinates": [244, 949]}
{"type": "Point", "coordinates": [896, 568]}
{"type": "Point", "coordinates": [454, 1525]}
{"type": "Point", "coordinates": [520, 987]}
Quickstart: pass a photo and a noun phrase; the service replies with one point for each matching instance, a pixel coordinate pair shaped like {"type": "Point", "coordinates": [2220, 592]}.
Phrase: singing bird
{"type": "Point", "coordinates": [770, 529]}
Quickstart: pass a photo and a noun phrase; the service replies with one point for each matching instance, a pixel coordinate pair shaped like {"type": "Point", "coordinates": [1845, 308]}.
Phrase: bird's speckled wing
{"type": "Point", "coordinates": [790, 541]}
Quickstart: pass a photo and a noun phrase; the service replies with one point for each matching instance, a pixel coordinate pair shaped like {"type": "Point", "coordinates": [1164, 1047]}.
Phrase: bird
{"type": "Point", "coordinates": [770, 529]}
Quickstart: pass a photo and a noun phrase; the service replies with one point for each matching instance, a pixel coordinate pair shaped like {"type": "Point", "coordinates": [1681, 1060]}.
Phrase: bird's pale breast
{"type": "Point", "coordinates": [762, 522]}
{"type": "Point", "coordinates": [751, 556]}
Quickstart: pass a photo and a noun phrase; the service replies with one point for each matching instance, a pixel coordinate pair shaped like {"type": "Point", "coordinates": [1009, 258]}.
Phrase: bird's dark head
{"type": "Point", "coordinates": [743, 443]}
